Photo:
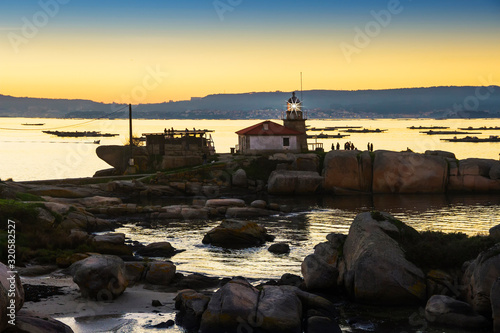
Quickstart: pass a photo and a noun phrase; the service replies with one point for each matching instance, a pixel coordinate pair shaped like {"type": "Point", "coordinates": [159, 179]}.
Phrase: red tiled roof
{"type": "Point", "coordinates": [273, 129]}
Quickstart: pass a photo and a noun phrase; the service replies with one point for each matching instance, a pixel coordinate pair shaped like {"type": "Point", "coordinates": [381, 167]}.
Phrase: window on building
{"type": "Point", "coordinates": [286, 142]}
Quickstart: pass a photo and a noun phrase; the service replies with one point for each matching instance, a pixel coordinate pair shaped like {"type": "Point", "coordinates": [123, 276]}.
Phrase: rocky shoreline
{"type": "Point", "coordinates": [374, 264]}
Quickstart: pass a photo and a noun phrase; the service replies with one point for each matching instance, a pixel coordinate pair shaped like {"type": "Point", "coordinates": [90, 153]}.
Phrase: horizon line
{"type": "Point", "coordinates": [249, 92]}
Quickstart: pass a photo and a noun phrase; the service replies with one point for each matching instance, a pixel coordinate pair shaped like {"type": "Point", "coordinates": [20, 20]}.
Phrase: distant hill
{"type": "Point", "coordinates": [435, 102]}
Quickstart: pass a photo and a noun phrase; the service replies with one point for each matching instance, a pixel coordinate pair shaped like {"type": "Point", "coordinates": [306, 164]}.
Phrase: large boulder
{"type": "Point", "coordinates": [348, 171]}
{"type": "Point", "coordinates": [294, 182]}
{"type": "Point", "coordinates": [444, 310]}
{"type": "Point", "coordinates": [238, 306]}
{"type": "Point", "coordinates": [237, 234]}
{"type": "Point", "coordinates": [407, 172]}
{"type": "Point", "coordinates": [479, 278]}
{"type": "Point", "coordinates": [376, 270]}
{"type": "Point", "coordinates": [474, 175]}
{"type": "Point", "coordinates": [100, 277]}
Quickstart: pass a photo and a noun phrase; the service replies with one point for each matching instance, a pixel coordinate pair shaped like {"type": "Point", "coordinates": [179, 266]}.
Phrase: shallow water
{"type": "Point", "coordinates": [313, 219]}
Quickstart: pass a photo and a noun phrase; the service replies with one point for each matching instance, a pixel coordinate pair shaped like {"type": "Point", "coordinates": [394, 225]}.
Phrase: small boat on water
{"type": "Point", "coordinates": [37, 124]}
{"type": "Point", "coordinates": [483, 128]}
{"type": "Point", "coordinates": [97, 142]}
{"type": "Point", "coordinates": [492, 138]}
{"type": "Point", "coordinates": [427, 127]}
{"type": "Point", "coordinates": [327, 136]}
{"type": "Point", "coordinates": [364, 130]}
{"type": "Point", "coordinates": [431, 132]}
{"type": "Point", "coordinates": [332, 128]}
{"type": "Point", "coordinates": [77, 134]}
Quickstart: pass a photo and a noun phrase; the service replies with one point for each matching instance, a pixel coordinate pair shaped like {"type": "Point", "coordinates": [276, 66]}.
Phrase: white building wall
{"type": "Point", "coordinates": [273, 142]}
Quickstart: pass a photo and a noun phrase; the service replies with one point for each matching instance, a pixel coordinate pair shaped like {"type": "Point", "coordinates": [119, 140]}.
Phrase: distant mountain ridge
{"type": "Point", "coordinates": [435, 102]}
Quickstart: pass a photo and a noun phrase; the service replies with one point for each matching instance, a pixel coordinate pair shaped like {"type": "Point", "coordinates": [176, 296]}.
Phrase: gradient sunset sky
{"type": "Point", "coordinates": [154, 51]}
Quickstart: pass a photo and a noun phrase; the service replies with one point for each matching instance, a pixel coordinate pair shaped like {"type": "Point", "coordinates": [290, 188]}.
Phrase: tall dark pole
{"type": "Point", "coordinates": [130, 123]}
{"type": "Point", "coordinates": [130, 132]}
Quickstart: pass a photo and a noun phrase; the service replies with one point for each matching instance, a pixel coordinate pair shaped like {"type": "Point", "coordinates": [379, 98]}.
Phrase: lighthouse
{"type": "Point", "coordinates": [295, 119]}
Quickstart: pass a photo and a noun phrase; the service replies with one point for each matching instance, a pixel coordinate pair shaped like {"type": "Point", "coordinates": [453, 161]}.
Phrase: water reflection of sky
{"type": "Point", "coordinates": [314, 218]}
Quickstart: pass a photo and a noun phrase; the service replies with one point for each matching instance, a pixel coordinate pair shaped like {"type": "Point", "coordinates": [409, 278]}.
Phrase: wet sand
{"type": "Point", "coordinates": [131, 312]}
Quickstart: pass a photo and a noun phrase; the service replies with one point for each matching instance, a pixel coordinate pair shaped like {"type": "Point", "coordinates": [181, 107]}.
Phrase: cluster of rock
{"type": "Point", "coordinates": [240, 307]}
{"type": "Point", "coordinates": [369, 265]}
{"type": "Point", "coordinates": [349, 172]}
{"type": "Point", "coordinates": [16, 319]}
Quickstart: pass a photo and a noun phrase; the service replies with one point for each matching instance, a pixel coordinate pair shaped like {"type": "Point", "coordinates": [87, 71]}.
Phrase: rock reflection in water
{"type": "Point", "coordinates": [309, 221]}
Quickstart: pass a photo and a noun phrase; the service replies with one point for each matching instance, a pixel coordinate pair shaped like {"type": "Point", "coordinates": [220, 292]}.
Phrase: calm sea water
{"type": "Point", "coordinates": [28, 154]}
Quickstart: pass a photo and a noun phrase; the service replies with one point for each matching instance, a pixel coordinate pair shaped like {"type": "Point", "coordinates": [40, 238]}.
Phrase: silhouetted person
{"type": "Point", "coordinates": [338, 146]}
{"type": "Point", "coordinates": [371, 146]}
{"type": "Point", "coordinates": [368, 146]}
{"type": "Point", "coordinates": [333, 147]}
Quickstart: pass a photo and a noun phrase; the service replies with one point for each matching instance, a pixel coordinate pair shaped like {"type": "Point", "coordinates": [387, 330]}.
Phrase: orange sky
{"type": "Point", "coordinates": [104, 62]}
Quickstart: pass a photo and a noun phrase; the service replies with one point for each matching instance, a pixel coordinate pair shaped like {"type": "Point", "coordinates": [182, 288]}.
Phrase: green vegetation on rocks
{"type": "Point", "coordinates": [435, 249]}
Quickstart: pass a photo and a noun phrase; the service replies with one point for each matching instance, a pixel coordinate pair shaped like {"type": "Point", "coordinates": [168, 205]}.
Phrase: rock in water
{"type": "Point", "coordinates": [100, 277]}
{"type": "Point", "coordinates": [159, 249]}
{"type": "Point", "coordinates": [279, 248]}
{"type": "Point", "coordinates": [376, 270]}
{"type": "Point", "coordinates": [445, 310]}
{"type": "Point", "coordinates": [236, 234]}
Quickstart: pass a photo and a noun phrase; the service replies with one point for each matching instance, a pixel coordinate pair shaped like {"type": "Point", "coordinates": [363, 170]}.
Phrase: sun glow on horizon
{"type": "Point", "coordinates": [156, 60]}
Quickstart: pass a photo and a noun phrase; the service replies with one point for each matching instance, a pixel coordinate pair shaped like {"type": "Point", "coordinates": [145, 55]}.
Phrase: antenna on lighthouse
{"type": "Point", "coordinates": [300, 85]}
